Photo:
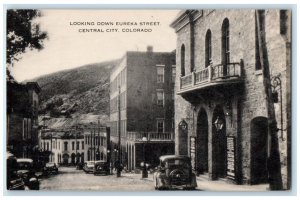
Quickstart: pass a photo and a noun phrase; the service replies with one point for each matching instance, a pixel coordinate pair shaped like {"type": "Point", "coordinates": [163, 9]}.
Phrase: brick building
{"type": "Point", "coordinates": [22, 115]}
{"type": "Point", "coordinates": [220, 106]}
{"type": "Point", "coordinates": [141, 101]}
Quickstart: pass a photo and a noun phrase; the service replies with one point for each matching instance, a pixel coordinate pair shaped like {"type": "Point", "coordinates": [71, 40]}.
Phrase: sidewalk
{"type": "Point", "coordinates": [222, 185]}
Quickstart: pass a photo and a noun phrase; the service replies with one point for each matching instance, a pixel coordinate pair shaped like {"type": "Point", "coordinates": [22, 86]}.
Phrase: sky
{"type": "Point", "coordinates": [69, 47]}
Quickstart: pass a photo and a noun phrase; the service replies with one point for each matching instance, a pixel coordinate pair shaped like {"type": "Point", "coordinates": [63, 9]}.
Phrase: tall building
{"type": "Point", "coordinates": [22, 118]}
{"type": "Point", "coordinates": [142, 106]}
{"type": "Point", "coordinates": [220, 104]}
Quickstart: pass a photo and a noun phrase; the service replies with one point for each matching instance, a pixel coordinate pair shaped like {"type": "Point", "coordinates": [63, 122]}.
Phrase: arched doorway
{"type": "Point", "coordinates": [77, 158]}
{"type": "Point", "coordinates": [259, 135]}
{"type": "Point", "coordinates": [82, 157]}
{"type": "Point", "coordinates": [73, 158]}
{"type": "Point", "coordinates": [65, 159]}
{"type": "Point", "coordinates": [219, 144]}
{"type": "Point", "coordinates": [202, 142]}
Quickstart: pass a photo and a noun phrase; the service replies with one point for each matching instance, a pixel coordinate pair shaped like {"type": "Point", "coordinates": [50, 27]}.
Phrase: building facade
{"type": "Point", "coordinates": [22, 118]}
{"type": "Point", "coordinates": [97, 143]}
{"type": "Point", "coordinates": [65, 147]}
{"type": "Point", "coordinates": [142, 106]}
{"type": "Point", "coordinates": [220, 103]}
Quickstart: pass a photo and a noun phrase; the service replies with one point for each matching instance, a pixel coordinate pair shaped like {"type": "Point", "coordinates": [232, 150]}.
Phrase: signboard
{"type": "Point", "coordinates": [193, 152]}
{"type": "Point", "coordinates": [231, 157]}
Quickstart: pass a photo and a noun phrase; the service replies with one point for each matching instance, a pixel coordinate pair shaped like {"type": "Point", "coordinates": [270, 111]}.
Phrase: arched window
{"type": "Point", "coordinates": [225, 45]}
{"type": "Point", "coordinates": [207, 48]}
{"type": "Point", "coordinates": [182, 57]}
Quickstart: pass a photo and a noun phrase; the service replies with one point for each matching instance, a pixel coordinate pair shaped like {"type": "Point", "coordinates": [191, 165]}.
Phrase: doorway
{"type": "Point", "coordinates": [202, 142]}
{"type": "Point", "coordinates": [259, 135]}
{"type": "Point", "coordinates": [219, 144]}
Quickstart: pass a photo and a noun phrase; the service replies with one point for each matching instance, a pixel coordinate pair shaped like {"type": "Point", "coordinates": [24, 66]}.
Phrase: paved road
{"type": "Point", "coordinates": [71, 179]}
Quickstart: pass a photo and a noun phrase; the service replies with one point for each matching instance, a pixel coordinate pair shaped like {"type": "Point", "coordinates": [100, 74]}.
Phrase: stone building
{"type": "Point", "coordinates": [22, 115]}
{"type": "Point", "coordinates": [220, 102]}
{"type": "Point", "coordinates": [142, 106]}
{"type": "Point", "coordinates": [65, 147]}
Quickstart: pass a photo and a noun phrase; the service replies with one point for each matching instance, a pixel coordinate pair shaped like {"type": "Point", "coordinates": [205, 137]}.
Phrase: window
{"type": "Point", "coordinates": [160, 125]}
{"type": "Point", "coordinates": [172, 94]}
{"type": "Point", "coordinates": [173, 74]}
{"type": "Point", "coordinates": [82, 145]}
{"type": "Point", "coordinates": [66, 146]}
{"type": "Point", "coordinates": [160, 74]}
{"type": "Point", "coordinates": [225, 45]}
{"type": "Point", "coordinates": [208, 48]}
{"type": "Point", "coordinates": [58, 145]}
{"type": "Point", "coordinates": [47, 146]}
{"type": "Point", "coordinates": [77, 145]}
{"type": "Point", "coordinates": [182, 59]}
{"type": "Point", "coordinates": [73, 144]}
{"type": "Point", "coordinates": [283, 21]}
{"type": "Point", "coordinates": [160, 97]}
{"type": "Point", "coordinates": [258, 64]}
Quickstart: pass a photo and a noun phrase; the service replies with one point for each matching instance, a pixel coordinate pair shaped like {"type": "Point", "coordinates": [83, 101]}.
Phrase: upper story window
{"type": "Point", "coordinates": [73, 144]}
{"type": "Point", "coordinates": [160, 125]}
{"type": "Point", "coordinates": [82, 145]}
{"type": "Point", "coordinates": [160, 97]}
{"type": "Point", "coordinates": [225, 45]}
{"type": "Point", "coordinates": [66, 146]}
{"type": "Point", "coordinates": [160, 74]}
{"type": "Point", "coordinates": [258, 64]}
{"type": "Point", "coordinates": [208, 48]}
{"type": "Point", "coordinates": [182, 60]}
{"type": "Point", "coordinates": [173, 74]}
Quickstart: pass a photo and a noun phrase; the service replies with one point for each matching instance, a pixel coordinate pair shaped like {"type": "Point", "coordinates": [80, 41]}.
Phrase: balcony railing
{"type": "Point", "coordinates": [211, 74]}
{"type": "Point", "coordinates": [150, 136]}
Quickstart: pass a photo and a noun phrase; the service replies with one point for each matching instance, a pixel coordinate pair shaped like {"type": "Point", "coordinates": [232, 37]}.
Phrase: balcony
{"type": "Point", "coordinates": [151, 136]}
{"type": "Point", "coordinates": [211, 76]}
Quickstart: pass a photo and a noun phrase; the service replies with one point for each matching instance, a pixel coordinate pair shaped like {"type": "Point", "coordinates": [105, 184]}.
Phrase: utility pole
{"type": "Point", "coordinates": [119, 134]}
{"type": "Point", "coordinates": [273, 163]}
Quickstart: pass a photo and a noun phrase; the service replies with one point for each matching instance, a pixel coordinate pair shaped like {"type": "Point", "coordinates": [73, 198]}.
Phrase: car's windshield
{"type": "Point", "coordinates": [177, 162]}
{"type": "Point", "coordinates": [24, 165]}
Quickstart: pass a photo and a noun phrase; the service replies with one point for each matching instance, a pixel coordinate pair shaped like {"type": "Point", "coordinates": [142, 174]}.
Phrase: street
{"type": "Point", "coordinates": [71, 179]}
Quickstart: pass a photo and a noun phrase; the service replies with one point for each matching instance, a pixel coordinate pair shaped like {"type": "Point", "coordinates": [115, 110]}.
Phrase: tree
{"type": "Point", "coordinates": [22, 33]}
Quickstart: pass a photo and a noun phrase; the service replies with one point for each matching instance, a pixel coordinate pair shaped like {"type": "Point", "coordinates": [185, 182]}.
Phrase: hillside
{"type": "Point", "coordinates": [71, 93]}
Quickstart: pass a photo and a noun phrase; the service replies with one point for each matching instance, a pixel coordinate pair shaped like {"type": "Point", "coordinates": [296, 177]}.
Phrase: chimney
{"type": "Point", "coordinates": [149, 49]}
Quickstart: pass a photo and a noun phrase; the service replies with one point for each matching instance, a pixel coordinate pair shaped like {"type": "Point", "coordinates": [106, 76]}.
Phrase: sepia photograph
{"type": "Point", "coordinates": [148, 100]}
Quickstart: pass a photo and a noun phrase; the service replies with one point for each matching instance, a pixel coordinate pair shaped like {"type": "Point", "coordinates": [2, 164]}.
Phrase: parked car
{"type": "Point", "coordinates": [13, 181]}
{"type": "Point", "coordinates": [88, 166]}
{"type": "Point", "coordinates": [174, 171]}
{"type": "Point", "coordinates": [101, 167]}
{"type": "Point", "coordinates": [27, 172]}
{"type": "Point", "coordinates": [50, 168]}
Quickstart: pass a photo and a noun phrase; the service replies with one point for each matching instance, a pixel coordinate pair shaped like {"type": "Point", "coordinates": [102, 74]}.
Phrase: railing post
{"type": "Point", "coordinates": [193, 78]}
{"type": "Point", "coordinates": [210, 71]}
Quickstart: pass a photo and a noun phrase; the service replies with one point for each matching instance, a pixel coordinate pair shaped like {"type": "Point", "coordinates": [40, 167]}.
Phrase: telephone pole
{"type": "Point", "coordinates": [119, 134]}
{"type": "Point", "coordinates": [273, 163]}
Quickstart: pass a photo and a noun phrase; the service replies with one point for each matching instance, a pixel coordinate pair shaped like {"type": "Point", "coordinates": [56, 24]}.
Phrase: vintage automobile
{"type": "Point", "coordinates": [174, 172]}
{"type": "Point", "coordinates": [14, 181]}
{"type": "Point", "coordinates": [27, 172]}
{"type": "Point", "coordinates": [50, 168]}
{"type": "Point", "coordinates": [101, 167]}
{"type": "Point", "coordinates": [88, 166]}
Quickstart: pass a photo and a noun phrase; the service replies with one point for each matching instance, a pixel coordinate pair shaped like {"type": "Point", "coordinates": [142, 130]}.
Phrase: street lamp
{"type": "Point", "coordinates": [219, 124]}
{"type": "Point", "coordinates": [143, 164]}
